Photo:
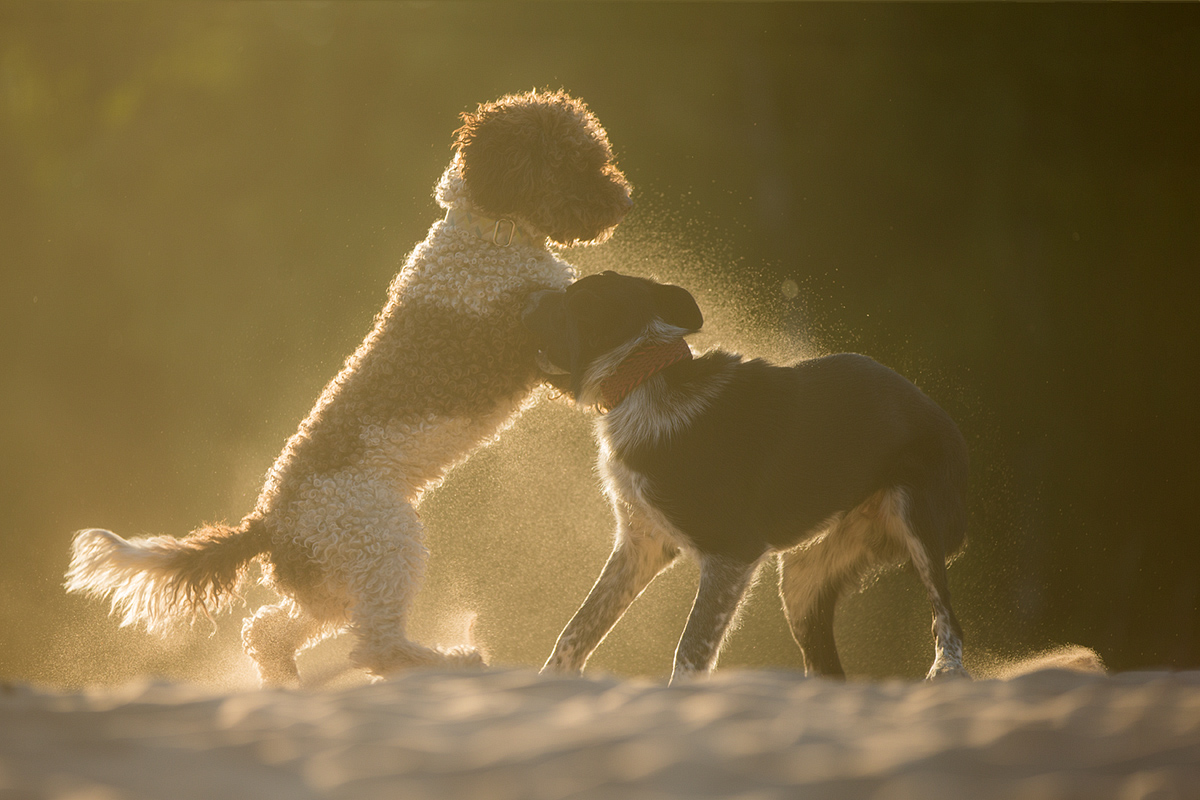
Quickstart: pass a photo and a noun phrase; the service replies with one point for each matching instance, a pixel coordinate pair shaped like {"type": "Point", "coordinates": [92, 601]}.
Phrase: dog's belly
{"type": "Point", "coordinates": [637, 491]}
{"type": "Point", "coordinates": [865, 522]}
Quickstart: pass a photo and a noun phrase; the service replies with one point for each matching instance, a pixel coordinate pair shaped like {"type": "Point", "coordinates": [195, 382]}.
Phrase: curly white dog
{"type": "Point", "coordinates": [445, 368]}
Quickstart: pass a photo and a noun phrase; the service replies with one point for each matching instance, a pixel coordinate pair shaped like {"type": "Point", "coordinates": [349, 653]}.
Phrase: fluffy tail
{"type": "Point", "coordinates": [160, 581]}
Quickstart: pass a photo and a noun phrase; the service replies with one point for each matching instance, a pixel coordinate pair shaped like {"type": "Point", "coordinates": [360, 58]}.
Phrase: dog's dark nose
{"type": "Point", "coordinates": [628, 203]}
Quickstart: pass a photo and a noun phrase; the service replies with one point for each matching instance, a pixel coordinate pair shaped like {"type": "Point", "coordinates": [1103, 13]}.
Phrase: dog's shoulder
{"type": "Point", "coordinates": [703, 371]}
{"type": "Point", "coordinates": [457, 269]}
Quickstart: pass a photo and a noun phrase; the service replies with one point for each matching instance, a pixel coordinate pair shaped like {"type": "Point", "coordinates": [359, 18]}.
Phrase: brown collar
{"type": "Point", "coordinates": [638, 367]}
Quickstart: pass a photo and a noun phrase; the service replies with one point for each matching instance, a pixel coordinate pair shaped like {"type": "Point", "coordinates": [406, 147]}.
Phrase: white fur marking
{"type": "Point", "coordinates": [947, 646]}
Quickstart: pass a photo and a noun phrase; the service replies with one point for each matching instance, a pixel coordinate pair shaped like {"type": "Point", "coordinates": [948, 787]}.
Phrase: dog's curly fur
{"type": "Point", "coordinates": [445, 368]}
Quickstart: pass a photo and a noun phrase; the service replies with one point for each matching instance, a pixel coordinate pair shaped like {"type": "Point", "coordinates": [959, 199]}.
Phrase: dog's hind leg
{"type": "Point", "coordinates": [273, 637]}
{"type": "Point", "coordinates": [640, 553]}
{"type": "Point", "coordinates": [918, 525]}
{"type": "Point", "coordinates": [810, 593]}
{"type": "Point", "coordinates": [812, 578]}
{"type": "Point", "coordinates": [723, 582]}
{"type": "Point", "coordinates": [383, 581]}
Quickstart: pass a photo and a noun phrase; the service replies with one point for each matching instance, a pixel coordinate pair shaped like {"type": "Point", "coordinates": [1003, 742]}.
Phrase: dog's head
{"type": "Point", "coordinates": [587, 330]}
{"type": "Point", "coordinates": [543, 157]}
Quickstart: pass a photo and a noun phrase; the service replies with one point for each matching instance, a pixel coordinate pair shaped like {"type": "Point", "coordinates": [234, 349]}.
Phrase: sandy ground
{"type": "Point", "coordinates": [513, 734]}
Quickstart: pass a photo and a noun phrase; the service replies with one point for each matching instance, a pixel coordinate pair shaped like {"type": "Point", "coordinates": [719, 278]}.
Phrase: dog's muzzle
{"type": "Point", "coordinates": [535, 299]}
{"type": "Point", "coordinates": [547, 366]}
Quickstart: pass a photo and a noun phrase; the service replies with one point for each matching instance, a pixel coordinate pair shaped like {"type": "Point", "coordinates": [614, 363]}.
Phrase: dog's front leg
{"type": "Point", "coordinates": [723, 581]}
{"type": "Point", "coordinates": [639, 554]}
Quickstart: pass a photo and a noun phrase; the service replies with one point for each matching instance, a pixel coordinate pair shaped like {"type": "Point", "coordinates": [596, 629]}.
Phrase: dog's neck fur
{"type": "Point", "coordinates": [665, 403]}
{"type": "Point", "coordinates": [500, 232]}
{"type": "Point", "coordinates": [638, 367]}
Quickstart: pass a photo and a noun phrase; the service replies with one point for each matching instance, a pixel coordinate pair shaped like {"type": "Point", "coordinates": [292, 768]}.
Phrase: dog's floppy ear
{"type": "Point", "coordinates": [495, 153]}
{"type": "Point", "coordinates": [676, 306]}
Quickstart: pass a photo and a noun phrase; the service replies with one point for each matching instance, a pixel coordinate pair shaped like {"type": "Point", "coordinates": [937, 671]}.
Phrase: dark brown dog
{"type": "Point", "coordinates": [835, 465]}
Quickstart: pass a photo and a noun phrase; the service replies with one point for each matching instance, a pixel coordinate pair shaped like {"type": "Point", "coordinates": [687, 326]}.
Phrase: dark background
{"type": "Point", "coordinates": [201, 206]}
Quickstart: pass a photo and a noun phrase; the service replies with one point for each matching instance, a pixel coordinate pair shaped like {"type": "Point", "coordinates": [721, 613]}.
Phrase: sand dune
{"type": "Point", "coordinates": [512, 734]}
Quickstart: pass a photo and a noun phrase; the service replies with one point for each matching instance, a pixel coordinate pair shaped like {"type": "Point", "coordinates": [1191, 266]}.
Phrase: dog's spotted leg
{"type": "Point", "coordinates": [947, 633]}
{"type": "Point", "coordinates": [930, 565]}
{"type": "Point", "coordinates": [639, 554]}
{"type": "Point", "coordinates": [723, 581]}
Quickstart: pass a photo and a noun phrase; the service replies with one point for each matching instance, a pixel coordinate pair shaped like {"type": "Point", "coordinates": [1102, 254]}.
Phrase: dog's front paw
{"type": "Point", "coordinates": [945, 672]}
{"type": "Point", "coordinates": [559, 664]}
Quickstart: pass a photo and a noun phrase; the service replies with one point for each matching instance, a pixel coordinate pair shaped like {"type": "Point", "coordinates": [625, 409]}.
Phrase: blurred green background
{"type": "Point", "coordinates": [201, 206]}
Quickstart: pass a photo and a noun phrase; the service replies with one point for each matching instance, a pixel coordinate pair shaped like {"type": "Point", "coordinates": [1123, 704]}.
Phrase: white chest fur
{"type": "Point", "coordinates": [631, 494]}
{"type": "Point", "coordinates": [648, 417]}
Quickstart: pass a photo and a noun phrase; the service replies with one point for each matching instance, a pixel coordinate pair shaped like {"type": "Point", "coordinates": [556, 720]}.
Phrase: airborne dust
{"type": "Point", "coordinates": [518, 534]}
{"type": "Point", "coordinates": [206, 204]}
